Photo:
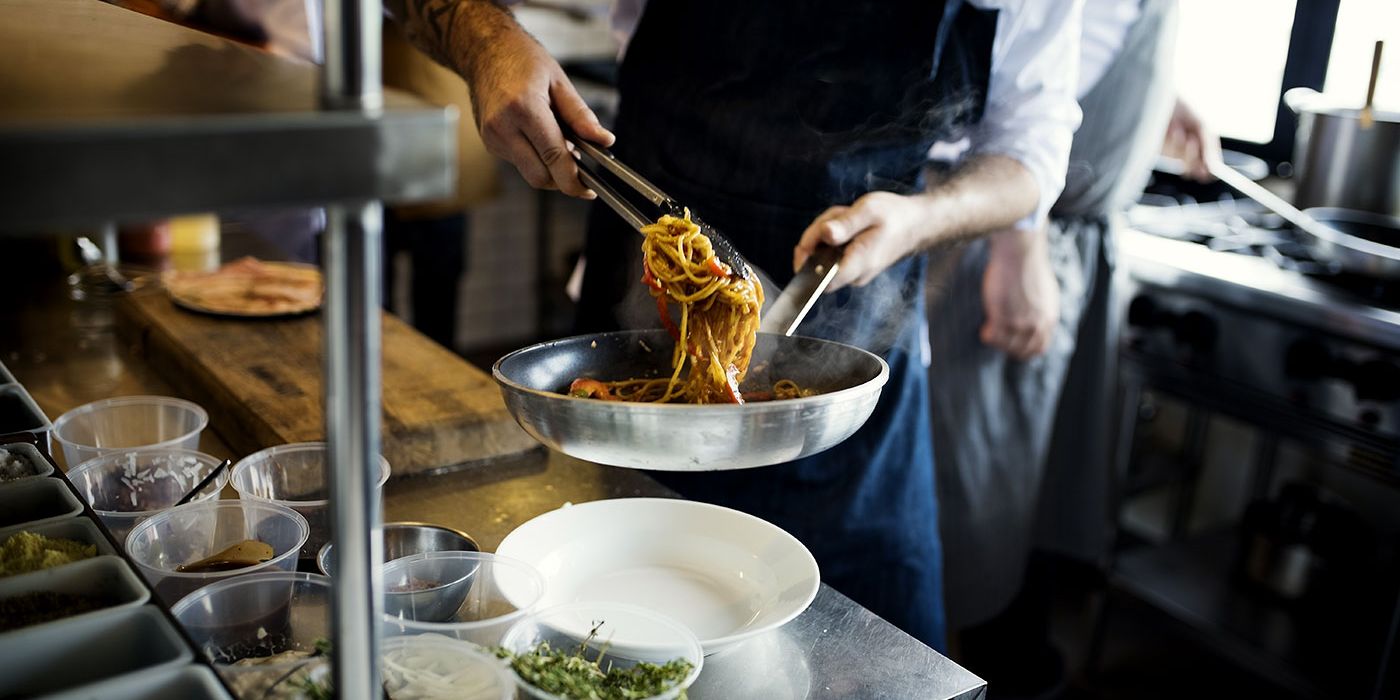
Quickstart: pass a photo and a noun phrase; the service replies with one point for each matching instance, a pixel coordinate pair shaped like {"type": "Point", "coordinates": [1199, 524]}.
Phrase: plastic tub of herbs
{"type": "Point", "coordinates": [602, 651]}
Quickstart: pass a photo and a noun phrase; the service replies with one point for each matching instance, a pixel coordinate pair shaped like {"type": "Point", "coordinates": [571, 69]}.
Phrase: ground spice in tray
{"type": "Point", "coordinates": [26, 551]}
{"type": "Point", "coordinates": [43, 606]}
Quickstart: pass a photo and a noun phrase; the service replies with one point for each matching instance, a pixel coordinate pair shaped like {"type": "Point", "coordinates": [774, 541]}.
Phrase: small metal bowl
{"type": "Point", "coordinates": [406, 539]}
{"type": "Point", "coordinates": [428, 587]}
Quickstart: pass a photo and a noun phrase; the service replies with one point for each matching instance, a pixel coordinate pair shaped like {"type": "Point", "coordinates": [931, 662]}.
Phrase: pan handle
{"type": "Point", "coordinates": [1249, 188]}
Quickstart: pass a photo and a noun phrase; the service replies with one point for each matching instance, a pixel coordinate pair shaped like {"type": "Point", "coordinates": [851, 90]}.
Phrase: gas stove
{"type": "Point", "coordinates": [1224, 305]}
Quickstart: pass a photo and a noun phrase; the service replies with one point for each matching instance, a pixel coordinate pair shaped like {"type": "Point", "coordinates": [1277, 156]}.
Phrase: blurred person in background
{"type": "Point", "coordinates": [1020, 327]}
{"type": "Point", "coordinates": [435, 235]}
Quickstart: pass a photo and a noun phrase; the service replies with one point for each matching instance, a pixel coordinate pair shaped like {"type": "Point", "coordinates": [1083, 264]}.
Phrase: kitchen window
{"type": "Point", "coordinates": [1235, 60]}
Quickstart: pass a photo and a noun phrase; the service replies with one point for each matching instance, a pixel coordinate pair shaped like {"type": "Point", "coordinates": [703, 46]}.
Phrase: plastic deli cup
{"type": "Point", "coordinates": [262, 631]}
{"type": "Point", "coordinates": [429, 666]}
{"type": "Point", "coordinates": [126, 422]}
{"type": "Point", "coordinates": [613, 635]}
{"type": "Point", "coordinates": [167, 541]}
{"type": "Point", "coordinates": [294, 476]}
{"type": "Point", "coordinates": [127, 486]}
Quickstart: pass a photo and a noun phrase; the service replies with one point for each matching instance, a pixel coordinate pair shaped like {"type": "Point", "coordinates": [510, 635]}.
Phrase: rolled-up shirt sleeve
{"type": "Point", "coordinates": [1031, 113]}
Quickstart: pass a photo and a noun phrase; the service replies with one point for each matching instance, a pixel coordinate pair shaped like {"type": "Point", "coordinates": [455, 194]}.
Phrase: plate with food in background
{"type": "Point", "coordinates": [249, 288]}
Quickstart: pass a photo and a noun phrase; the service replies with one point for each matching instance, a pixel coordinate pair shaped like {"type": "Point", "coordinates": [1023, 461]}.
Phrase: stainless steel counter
{"type": "Point", "coordinates": [836, 649]}
{"type": "Point", "coordinates": [66, 354]}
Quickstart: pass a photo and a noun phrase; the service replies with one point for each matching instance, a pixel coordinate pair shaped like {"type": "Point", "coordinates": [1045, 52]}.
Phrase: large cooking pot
{"type": "Point", "coordinates": [1337, 162]}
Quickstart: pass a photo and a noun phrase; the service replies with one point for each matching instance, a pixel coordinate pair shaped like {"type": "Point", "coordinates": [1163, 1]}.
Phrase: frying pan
{"type": "Point", "coordinates": [1363, 242]}
{"type": "Point", "coordinates": [684, 437]}
{"type": "Point", "coordinates": [1358, 242]}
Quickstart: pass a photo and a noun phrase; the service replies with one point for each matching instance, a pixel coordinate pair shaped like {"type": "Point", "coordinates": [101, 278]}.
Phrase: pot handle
{"type": "Point", "coordinates": [1299, 98]}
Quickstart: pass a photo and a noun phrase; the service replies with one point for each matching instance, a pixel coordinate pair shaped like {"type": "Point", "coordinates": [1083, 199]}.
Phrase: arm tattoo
{"type": "Point", "coordinates": [435, 27]}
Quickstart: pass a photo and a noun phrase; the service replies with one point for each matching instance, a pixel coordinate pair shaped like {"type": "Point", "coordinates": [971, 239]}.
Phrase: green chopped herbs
{"type": "Point", "coordinates": [573, 676]}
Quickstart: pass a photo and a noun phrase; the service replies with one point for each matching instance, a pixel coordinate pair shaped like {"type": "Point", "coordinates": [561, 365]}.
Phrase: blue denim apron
{"type": "Point", "coordinates": [761, 115]}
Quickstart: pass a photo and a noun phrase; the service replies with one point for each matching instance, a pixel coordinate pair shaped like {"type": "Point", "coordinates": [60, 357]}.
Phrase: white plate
{"type": "Point", "coordinates": [725, 574]}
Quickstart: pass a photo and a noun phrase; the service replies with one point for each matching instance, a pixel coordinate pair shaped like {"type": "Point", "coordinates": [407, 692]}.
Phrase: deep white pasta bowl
{"type": "Point", "coordinates": [726, 575]}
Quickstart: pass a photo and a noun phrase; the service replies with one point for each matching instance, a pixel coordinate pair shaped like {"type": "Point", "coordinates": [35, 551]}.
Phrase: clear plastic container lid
{"type": "Point", "coordinates": [431, 666]}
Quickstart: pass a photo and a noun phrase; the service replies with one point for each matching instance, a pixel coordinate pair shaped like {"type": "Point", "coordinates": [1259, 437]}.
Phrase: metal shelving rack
{"type": "Point", "coordinates": [110, 115]}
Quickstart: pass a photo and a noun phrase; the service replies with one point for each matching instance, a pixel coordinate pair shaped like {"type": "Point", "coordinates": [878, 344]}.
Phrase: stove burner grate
{"type": "Point", "coordinates": [1243, 226]}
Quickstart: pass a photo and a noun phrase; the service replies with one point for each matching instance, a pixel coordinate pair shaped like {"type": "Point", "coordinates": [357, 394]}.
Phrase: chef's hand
{"type": "Point", "coordinates": [517, 88]}
{"type": "Point", "coordinates": [878, 230]}
{"type": "Point", "coordinates": [1190, 141]}
{"type": "Point", "coordinates": [989, 192]}
{"type": "Point", "coordinates": [1020, 296]}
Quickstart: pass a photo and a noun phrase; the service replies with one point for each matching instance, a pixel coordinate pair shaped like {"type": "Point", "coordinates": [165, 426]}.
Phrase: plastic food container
{"type": "Point", "coordinates": [183, 535]}
{"type": "Point", "coordinates": [183, 682]}
{"type": "Point", "coordinates": [127, 486]}
{"type": "Point", "coordinates": [259, 615]}
{"type": "Point", "coordinates": [63, 655]}
{"type": "Point", "coordinates": [295, 476]}
{"type": "Point", "coordinates": [32, 465]}
{"type": "Point", "coordinates": [129, 421]}
{"type": "Point", "coordinates": [101, 583]}
{"type": "Point", "coordinates": [432, 666]}
{"type": "Point", "coordinates": [37, 501]}
{"type": "Point", "coordinates": [76, 529]}
{"type": "Point", "coordinates": [477, 581]}
{"type": "Point", "coordinates": [626, 635]}
{"type": "Point", "coordinates": [19, 413]}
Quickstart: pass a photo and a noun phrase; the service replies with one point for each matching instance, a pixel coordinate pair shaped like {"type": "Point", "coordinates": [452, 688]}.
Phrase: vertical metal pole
{"type": "Point", "coordinates": [350, 76]}
{"type": "Point", "coordinates": [352, 351]}
{"type": "Point", "coordinates": [350, 80]}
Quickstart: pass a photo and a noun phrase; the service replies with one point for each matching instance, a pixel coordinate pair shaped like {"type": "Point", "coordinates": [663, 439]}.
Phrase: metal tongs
{"type": "Point", "coordinates": [781, 315]}
{"type": "Point", "coordinates": [724, 250]}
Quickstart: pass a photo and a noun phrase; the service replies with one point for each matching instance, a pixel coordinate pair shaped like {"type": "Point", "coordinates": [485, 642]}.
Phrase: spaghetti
{"type": "Point", "coordinates": [718, 323]}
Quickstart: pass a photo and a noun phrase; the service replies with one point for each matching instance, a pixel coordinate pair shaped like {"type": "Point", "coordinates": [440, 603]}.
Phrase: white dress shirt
{"type": "Point", "coordinates": [1031, 112]}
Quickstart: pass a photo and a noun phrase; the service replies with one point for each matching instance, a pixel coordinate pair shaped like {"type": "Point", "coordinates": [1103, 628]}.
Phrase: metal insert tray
{"type": "Point", "coordinates": [20, 414]}
{"type": "Point", "coordinates": [39, 467]}
{"type": "Point", "coordinates": [37, 501]}
{"type": "Point", "coordinates": [79, 529]}
{"type": "Point", "coordinates": [76, 651]}
{"type": "Point", "coordinates": [106, 577]}
{"type": "Point", "coordinates": [182, 683]}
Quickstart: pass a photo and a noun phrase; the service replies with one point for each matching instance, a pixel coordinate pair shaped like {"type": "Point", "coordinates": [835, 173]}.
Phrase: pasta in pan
{"type": "Point", "coordinates": [718, 312]}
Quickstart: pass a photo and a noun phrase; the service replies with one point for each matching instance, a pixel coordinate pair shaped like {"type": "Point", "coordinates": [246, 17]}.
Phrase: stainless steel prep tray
{"type": "Point", "coordinates": [184, 682]}
{"type": "Point", "coordinates": [80, 529]}
{"type": "Point", "coordinates": [104, 576]}
{"type": "Point", "coordinates": [36, 502]}
{"type": "Point", "coordinates": [39, 466]}
{"type": "Point", "coordinates": [54, 657]}
{"type": "Point", "coordinates": [20, 414]}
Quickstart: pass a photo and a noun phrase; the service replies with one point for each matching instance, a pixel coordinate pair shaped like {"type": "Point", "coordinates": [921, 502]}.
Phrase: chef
{"type": "Point", "coordinates": [787, 125]}
{"type": "Point", "coordinates": [1004, 332]}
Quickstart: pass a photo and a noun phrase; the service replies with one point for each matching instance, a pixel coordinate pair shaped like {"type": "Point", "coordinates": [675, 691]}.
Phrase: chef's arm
{"type": "Point", "coordinates": [1016, 170]}
{"type": "Point", "coordinates": [517, 88]}
{"type": "Point", "coordinates": [988, 192]}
